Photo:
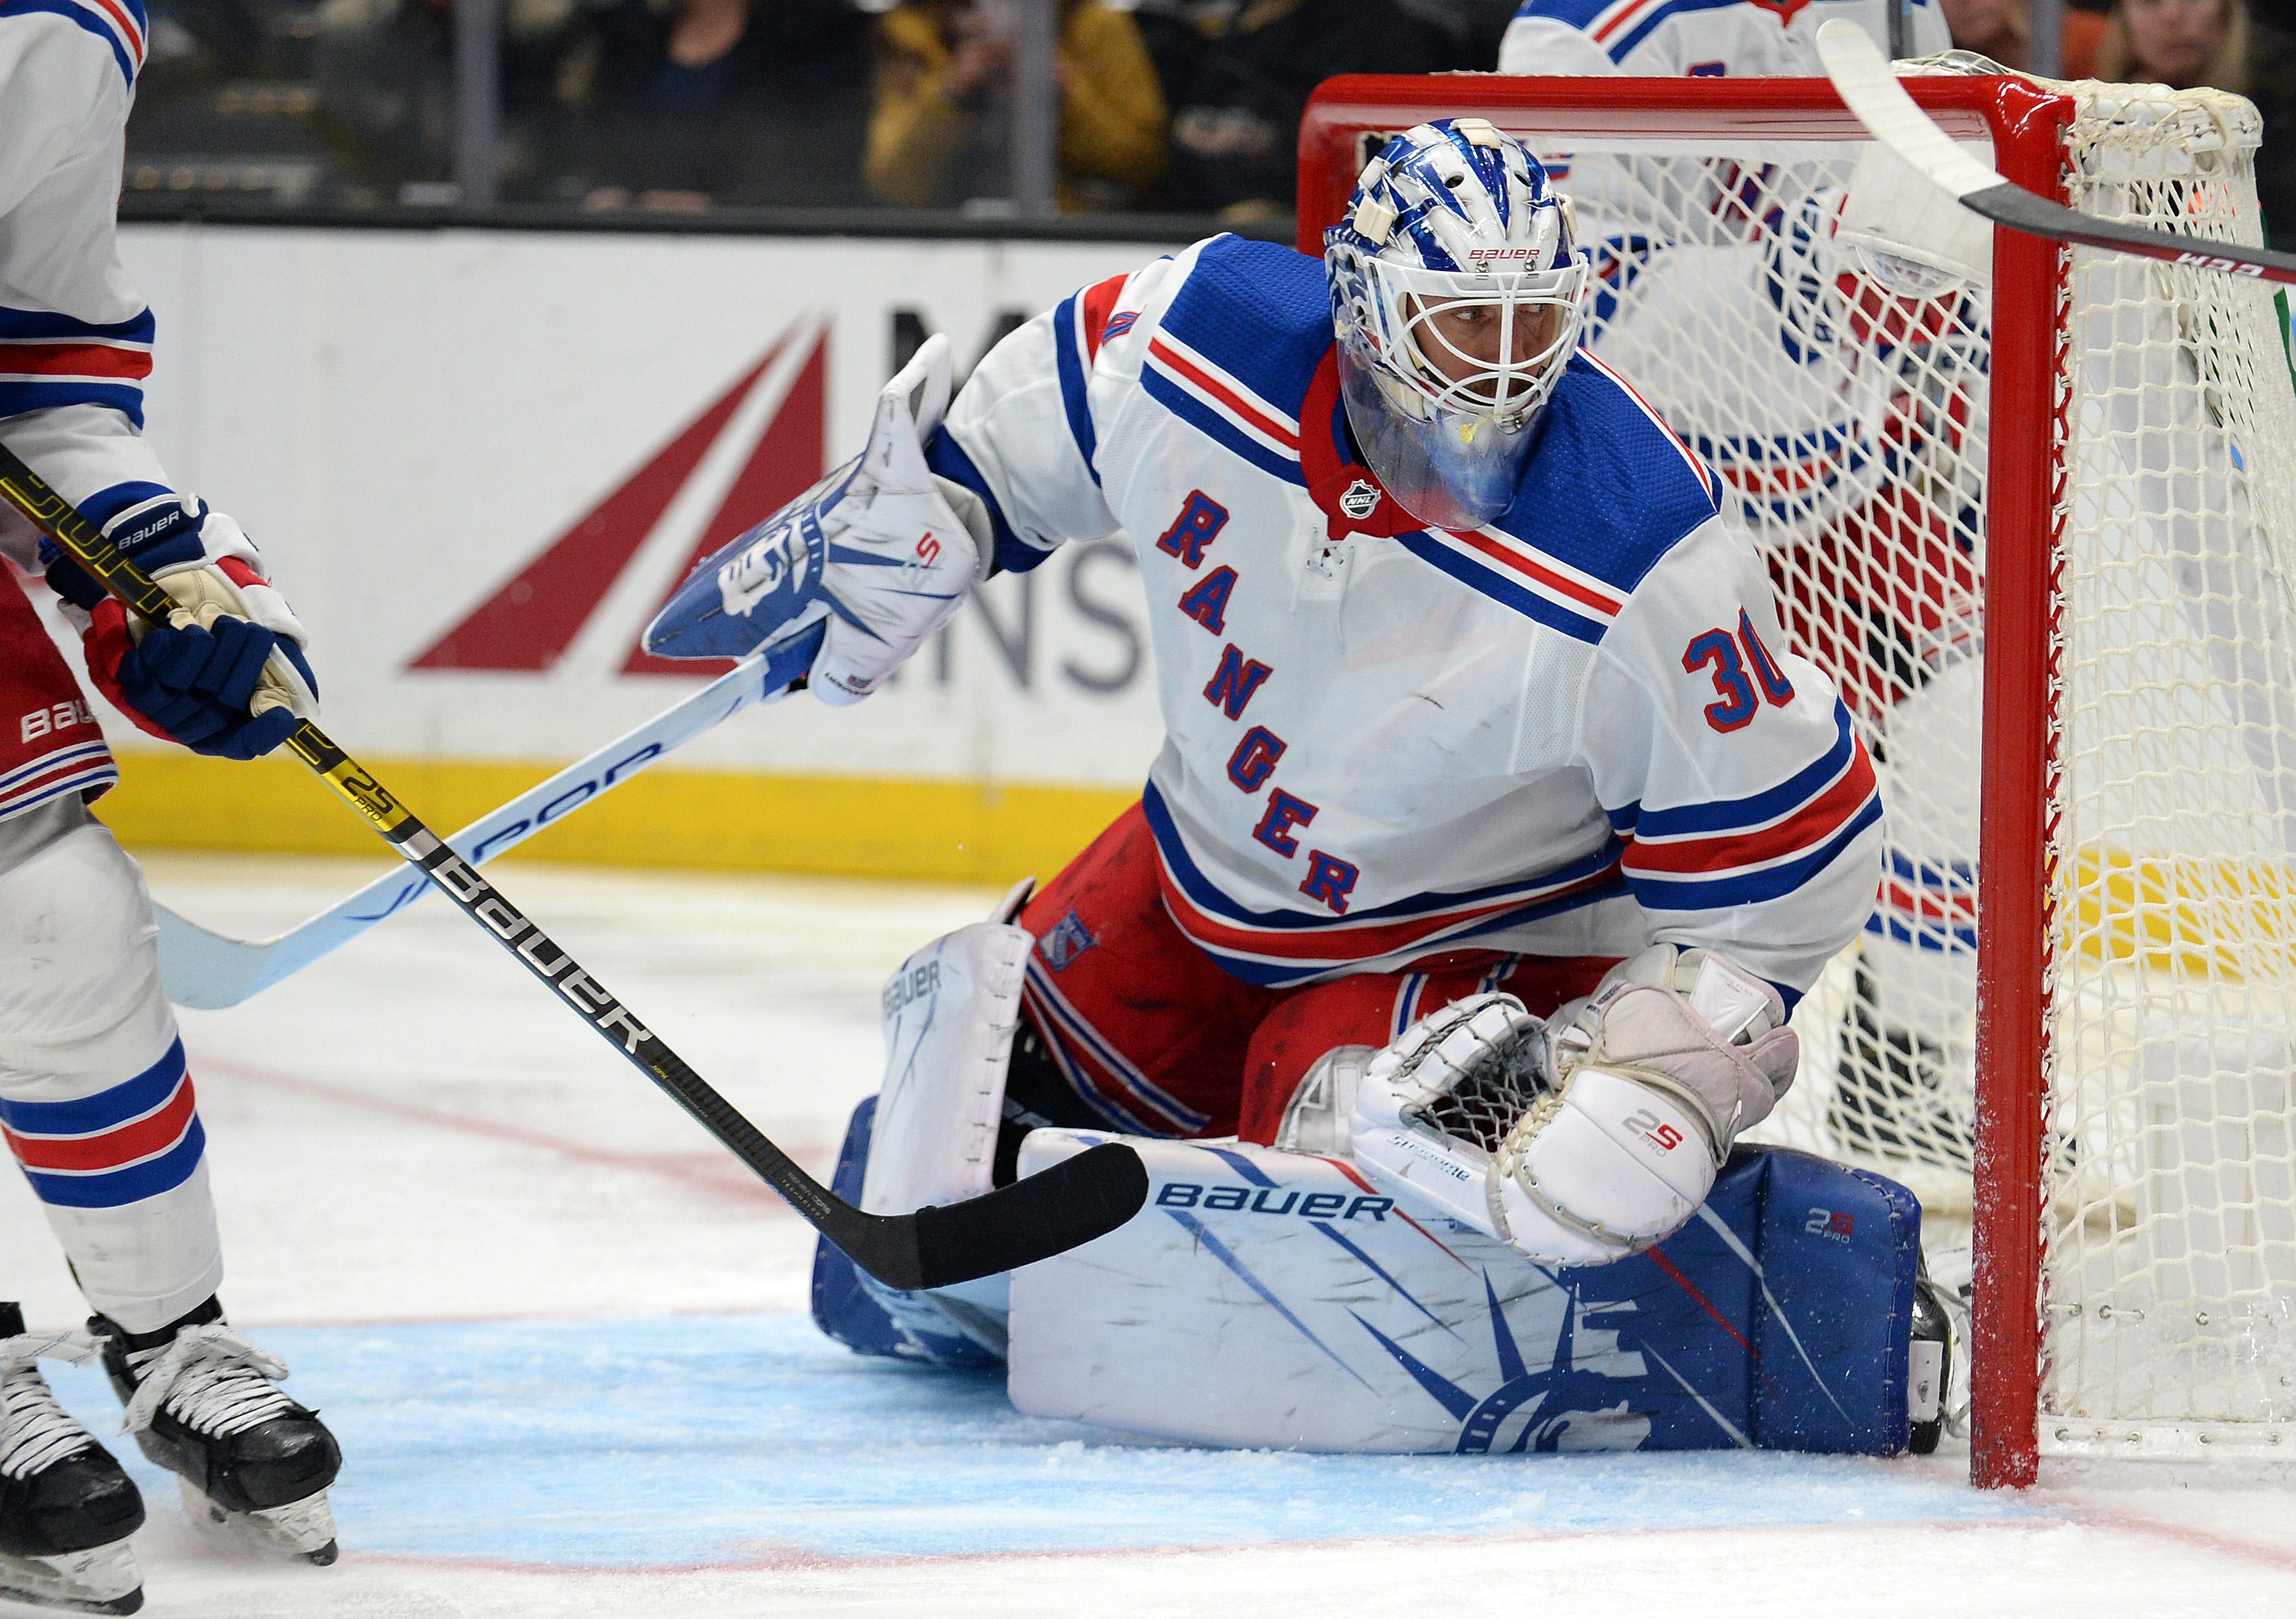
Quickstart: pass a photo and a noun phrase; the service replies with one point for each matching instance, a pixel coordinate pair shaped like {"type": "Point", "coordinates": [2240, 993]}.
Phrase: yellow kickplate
{"type": "Point", "coordinates": [924, 831]}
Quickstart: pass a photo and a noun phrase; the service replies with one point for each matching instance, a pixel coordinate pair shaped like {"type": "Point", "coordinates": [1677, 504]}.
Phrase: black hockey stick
{"type": "Point", "coordinates": [1034, 1218]}
{"type": "Point", "coordinates": [1871, 91]}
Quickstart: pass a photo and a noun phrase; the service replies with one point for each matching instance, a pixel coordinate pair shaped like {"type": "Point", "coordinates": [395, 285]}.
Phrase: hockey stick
{"type": "Point", "coordinates": [1033, 1219]}
{"type": "Point", "coordinates": [209, 970]}
{"type": "Point", "coordinates": [1871, 90]}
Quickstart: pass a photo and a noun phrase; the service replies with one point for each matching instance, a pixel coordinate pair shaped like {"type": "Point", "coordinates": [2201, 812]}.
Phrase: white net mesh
{"type": "Point", "coordinates": [1851, 421]}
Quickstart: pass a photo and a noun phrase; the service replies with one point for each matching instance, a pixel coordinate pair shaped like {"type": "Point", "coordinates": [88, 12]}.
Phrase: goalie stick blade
{"type": "Point", "coordinates": [208, 970]}
{"type": "Point", "coordinates": [1869, 87]}
{"type": "Point", "coordinates": [1038, 1216]}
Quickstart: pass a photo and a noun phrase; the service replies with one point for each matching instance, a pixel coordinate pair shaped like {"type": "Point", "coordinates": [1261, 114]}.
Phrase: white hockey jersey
{"type": "Point", "coordinates": [1567, 732]}
{"type": "Point", "coordinates": [1696, 39]}
{"type": "Point", "coordinates": [75, 340]}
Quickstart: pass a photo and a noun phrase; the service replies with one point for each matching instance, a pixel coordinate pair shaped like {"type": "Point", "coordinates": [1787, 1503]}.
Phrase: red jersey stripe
{"type": "Point", "coordinates": [1253, 415]}
{"type": "Point", "coordinates": [74, 360]}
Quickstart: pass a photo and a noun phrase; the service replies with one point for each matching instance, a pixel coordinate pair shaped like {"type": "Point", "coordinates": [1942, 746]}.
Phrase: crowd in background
{"type": "Point", "coordinates": [1179, 106]}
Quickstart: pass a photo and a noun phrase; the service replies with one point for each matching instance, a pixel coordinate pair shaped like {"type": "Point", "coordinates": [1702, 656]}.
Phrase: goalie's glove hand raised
{"type": "Point", "coordinates": [226, 675]}
{"type": "Point", "coordinates": [882, 549]}
{"type": "Point", "coordinates": [1591, 1140]}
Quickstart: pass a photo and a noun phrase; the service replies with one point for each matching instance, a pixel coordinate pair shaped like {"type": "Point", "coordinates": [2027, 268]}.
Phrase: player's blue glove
{"type": "Point", "coordinates": [227, 676]}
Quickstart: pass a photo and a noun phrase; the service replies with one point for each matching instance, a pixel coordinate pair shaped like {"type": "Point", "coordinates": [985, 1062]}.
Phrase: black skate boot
{"type": "Point", "coordinates": [201, 1402]}
{"type": "Point", "coordinates": [1930, 1378]}
{"type": "Point", "coordinates": [66, 1509]}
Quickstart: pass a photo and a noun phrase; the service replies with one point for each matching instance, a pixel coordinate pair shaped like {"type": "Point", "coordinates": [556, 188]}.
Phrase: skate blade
{"type": "Point", "coordinates": [103, 1579]}
{"type": "Point", "coordinates": [304, 1529]}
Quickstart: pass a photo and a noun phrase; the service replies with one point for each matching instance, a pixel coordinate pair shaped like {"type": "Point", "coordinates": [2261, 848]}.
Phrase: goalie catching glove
{"type": "Point", "coordinates": [882, 549]}
{"type": "Point", "coordinates": [1591, 1139]}
{"type": "Point", "coordinates": [226, 674]}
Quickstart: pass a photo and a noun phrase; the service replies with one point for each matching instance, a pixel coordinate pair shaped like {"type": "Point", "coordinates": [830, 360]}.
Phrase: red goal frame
{"type": "Point", "coordinates": [2024, 565]}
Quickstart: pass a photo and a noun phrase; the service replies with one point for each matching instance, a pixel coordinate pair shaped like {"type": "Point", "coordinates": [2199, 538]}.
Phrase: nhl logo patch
{"type": "Point", "coordinates": [1361, 500]}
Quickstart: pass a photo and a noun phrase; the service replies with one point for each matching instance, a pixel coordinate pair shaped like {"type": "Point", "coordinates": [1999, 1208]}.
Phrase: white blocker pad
{"type": "Point", "coordinates": [1270, 1299]}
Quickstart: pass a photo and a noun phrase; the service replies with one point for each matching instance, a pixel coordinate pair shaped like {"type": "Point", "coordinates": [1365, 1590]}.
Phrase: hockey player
{"type": "Point", "coordinates": [94, 1097]}
{"type": "Point", "coordinates": [1470, 696]}
{"type": "Point", "coordinates": [1711, 39]}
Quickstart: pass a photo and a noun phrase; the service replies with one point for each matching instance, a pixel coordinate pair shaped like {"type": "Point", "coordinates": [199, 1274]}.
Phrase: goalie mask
{"type": "Point", "coordinates": [1456, 295]}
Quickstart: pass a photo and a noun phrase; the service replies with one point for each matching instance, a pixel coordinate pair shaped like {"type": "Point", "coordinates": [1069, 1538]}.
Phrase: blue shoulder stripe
{"type": "Point", "coordinates": [1216, 427]}
{"type": "Point", "coordinates": [91, 18]}
{"type": "Point", "coordinates": [1072, 370]}
{"type": "Point", "coordinates": [1500, 588]}
{"type": "Point", "coordinates": [1260, 311]}
{"type": "Point", "coordinates": [1627, 492]}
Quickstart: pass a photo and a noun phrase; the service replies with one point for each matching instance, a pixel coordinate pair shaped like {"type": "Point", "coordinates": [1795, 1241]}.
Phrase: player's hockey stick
{"type": "Point", "coordinates": [209, 970]}
{"type": "Point", "coordinates": [1863, 77]}
{"type": "Point", "coordinates": [1034, 1218]}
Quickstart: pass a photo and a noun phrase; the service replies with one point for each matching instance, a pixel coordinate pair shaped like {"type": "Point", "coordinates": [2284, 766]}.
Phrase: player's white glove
{"type": "Point", "coordinates": [1906, 233]}
{"type": "Point", "coordinates": [1592, 1140]}
{"type": "Point", "coordinates": [882, 550]}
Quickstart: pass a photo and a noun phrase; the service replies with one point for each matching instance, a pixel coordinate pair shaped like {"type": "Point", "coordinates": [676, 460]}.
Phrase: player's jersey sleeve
{"type": "Point", "coordinates": [75, 340]}
{"type": "Point", "coordinates": [1686, 38]}
{"type": "Point", "coordinates": [1551, 37]}
{"type": "Point", "coordinates": [1728, 767]}
{"type": "Point", "coordinates": [1024, 434]}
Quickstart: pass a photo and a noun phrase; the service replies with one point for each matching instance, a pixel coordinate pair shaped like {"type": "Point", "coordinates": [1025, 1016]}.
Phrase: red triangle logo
{"type": "Point", "coordinates": [787, 461]}
{"type": "Point", "coordinates": [528, 623]}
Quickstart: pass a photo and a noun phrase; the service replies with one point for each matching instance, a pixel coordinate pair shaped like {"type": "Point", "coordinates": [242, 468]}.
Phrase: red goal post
{"type": "Point", "coordinates": [1344, 121]}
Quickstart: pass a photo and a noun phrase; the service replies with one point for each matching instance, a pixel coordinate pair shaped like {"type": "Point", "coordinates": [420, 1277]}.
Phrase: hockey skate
{"type": "Point", "coordinates": [254, 1466]}
{"type": "Point", "coordinates": [65, 1508]}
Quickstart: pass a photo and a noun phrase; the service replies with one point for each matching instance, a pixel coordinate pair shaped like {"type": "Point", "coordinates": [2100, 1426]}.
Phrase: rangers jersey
{"type": "Point", "coordinates": [1568, 733]}
{"type": "Point", "coordinates": [1697, 38]}
{"type": "Point", "coordinates": [75, 340]}
{"type": "Point", "coordinates": [75, 348]}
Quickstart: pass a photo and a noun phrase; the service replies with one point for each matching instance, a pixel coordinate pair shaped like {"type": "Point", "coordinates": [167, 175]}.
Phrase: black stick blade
{"type": "Point", "coordinates": [1038, 1216]}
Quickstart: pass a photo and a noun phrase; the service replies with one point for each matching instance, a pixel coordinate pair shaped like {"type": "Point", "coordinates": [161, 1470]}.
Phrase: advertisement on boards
{"type": "Point", "coordinates": [478, 462]}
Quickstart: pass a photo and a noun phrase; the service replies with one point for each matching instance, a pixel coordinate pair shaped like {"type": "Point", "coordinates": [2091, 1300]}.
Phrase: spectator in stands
{"type": "Point", "coordinates": [941, 126]}
{"type": "Point", "coordinates": [683, 104]}
{"type": "Point", "coordinates": [1237, 74]}
{"type": "Point", "coordinates": [2218, 43]}
{"type": "Point", "coordinates": [2003, 30]}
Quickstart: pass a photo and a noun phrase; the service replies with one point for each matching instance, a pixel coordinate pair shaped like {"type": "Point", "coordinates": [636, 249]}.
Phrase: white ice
{"type": "Point", "coordinates": [562, 1336]}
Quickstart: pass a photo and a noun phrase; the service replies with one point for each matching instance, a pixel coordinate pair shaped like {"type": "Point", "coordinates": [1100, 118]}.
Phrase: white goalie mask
{"type": "Point", "coordinates": [1457, 295]}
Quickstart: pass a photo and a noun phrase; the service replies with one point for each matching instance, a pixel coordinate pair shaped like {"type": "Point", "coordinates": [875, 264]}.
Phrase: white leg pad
{"type": "Point", "coordinates": [950, 1014]}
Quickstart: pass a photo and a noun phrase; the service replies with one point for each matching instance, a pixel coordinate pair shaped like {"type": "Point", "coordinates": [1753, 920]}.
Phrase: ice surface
{"type": "Point", "coordinates": [560, 1335]}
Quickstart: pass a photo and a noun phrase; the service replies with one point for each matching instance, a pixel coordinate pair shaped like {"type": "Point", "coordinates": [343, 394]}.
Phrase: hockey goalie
{"type": "Point", "coordinates": [1450, 947]}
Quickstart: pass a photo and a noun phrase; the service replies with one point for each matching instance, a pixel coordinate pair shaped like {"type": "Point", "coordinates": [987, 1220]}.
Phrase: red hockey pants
{"type": "Point", "coordinates": [1160, 1042]}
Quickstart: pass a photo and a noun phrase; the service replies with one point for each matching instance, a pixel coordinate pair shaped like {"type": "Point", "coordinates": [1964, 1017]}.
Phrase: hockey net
{"type": "Point", "coordinates": [2042, 535]}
